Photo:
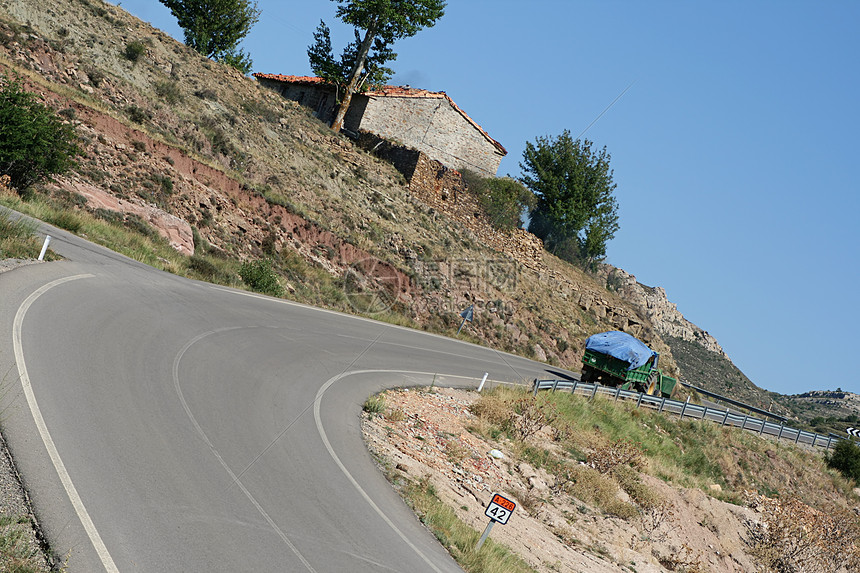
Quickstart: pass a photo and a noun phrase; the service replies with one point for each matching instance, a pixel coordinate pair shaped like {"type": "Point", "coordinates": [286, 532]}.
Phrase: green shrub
{"type": "Point", "coordinates": [137, 114]}
{"type": "Point", "coordinates": [504, 199]}
{"type": "Point", "coordinates": [261, 277]}
{"type": "Point", "coordinates": [134, 50]}
{"type": "Point", "coordinates": [374, 405]}
{"type": "Point", "coordinates": [168, 91]}
{"type": "Point", "coordinates": [846, 459]}
{"type": "Point", "coordinates": [34, 142]}
{"type": "Point", "coordinates": [65, 220]}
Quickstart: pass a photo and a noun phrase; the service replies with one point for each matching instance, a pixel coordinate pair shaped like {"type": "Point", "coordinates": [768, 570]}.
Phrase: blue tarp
{"type": "Point", "coordinates": [622, 346]}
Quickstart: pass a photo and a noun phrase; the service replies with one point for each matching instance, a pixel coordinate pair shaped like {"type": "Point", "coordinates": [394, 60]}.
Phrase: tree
{"type": "Point", "coordinates": [324, 65]}
{"type": "Point", "coordinates": [383, 22]}
{"type": "Point", "coordinates": [34, 142]}
{"type": "Point", "coordinates": [576, 212]}
{"type": "Point", "coordinates": [215, 27]}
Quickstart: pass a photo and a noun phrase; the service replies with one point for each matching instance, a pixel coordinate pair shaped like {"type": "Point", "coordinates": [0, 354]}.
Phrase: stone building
{"type": "Point", "coordinates": [428, 122]}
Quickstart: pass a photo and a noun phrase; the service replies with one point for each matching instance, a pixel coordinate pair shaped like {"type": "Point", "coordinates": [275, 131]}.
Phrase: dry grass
{"type": "Point", "coordinates": [791, 536]}
{"type": "Point", "coordinates": [19, 553]}
{"type": "Point", "coordinates": [609, 436]}
{"type": "Point", "coordinates": [457, 537]}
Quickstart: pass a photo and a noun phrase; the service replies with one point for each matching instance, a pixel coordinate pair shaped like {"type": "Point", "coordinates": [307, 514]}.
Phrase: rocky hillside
{"type": "Point", "coordinates": [224, 168]}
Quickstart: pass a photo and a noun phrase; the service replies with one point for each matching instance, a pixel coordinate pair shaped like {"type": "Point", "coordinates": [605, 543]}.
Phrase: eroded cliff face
{"type": "Point", "coordinates": [653, 304]}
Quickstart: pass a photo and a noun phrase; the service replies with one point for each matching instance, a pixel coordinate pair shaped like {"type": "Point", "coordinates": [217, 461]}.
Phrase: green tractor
{"type": "Point", "coordinates": [619, 359]}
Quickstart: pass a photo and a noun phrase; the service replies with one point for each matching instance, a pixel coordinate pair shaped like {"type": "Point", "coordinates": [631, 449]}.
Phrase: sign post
{"type": "Point", "coordinates": [499, 510]}
{"type": "Point", "coordinates": [467, 314]}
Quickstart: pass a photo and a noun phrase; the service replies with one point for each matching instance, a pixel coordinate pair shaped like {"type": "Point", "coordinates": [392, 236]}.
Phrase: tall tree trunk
{"type": "Point", "coordinates": [354, 77]}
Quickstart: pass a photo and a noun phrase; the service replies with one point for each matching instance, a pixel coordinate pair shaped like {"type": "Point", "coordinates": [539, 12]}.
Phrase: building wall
{"type": "Point", "coordinates": [433, 126]}
{"type": "Point", "coordinates": [428, 124]}
{"type": "Point", "coordinates": [320, 99]}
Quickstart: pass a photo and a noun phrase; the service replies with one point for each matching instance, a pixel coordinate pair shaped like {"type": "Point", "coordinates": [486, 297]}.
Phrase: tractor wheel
{"type": "Point", "coordinates": [587, 374]}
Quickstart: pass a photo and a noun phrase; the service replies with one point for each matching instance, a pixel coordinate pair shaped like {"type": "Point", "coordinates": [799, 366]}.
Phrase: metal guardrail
{"type": "Point", "coordinates": [734, 402]}
{"type": "Point", "coordinates": [685, 409]}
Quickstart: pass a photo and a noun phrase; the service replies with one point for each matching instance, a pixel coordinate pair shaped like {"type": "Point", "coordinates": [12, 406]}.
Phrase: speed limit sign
{"type": "Point", "coordinates": [500, 509]}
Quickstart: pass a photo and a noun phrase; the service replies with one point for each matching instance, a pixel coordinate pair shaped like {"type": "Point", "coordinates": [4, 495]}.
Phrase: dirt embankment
{"type": "Point", "coordinates": [427, 436]}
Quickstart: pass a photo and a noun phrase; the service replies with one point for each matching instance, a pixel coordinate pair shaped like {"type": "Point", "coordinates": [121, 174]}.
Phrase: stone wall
{"type": "Point", "coordinates": [320, 99]}
{"type": "Point", "coordinates": [443, 189]}
{"type": "Point", "coordinates": [433, 126]}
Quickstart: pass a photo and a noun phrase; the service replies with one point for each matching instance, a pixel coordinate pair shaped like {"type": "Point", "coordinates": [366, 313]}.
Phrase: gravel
{"type": "Point", "coordinates": [13, 498]}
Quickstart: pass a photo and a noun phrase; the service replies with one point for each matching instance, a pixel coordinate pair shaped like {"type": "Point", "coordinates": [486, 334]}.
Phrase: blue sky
{"type": "Point", "coordinates": [734, 149]}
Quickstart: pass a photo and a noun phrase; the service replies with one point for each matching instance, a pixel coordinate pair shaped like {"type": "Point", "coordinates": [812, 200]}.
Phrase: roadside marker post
{"type": "Point", "coordinates": [483, 380]}
{"type": "Point", "coordinates": [45, 247]}
{"type": "Point", "coordinates": [499, 510]}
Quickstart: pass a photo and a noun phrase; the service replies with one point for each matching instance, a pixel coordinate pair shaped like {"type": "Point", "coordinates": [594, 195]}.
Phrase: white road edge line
{"type": "Point", "coordinates": [352, 480]}
{"type": "Point", "coordinates": [59, 466]}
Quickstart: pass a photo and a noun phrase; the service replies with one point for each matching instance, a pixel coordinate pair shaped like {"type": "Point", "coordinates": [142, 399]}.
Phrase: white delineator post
{"type": "Point", "coordinates": [481, 386]}
{"type": "Point", "coordinates": [45, 247]}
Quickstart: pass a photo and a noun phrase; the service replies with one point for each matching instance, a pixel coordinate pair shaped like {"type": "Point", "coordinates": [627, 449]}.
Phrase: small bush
{"type": "Point", "coordinates": [791, 536]}
{"type": "Point", "coordinates": [134, 50]}
{"type": "Point", "coordinates": [95, 76]}
{"type": "Point", "coordinates": [846, 459]}
{"type": "Point", "coordinates": [492, 409]}
{"type": "Point", "coordinates": [395, 415]}
{"type": "Point", "coordinates": [620, 453]}
{"type": "Point", "coordinates": [137, 114]}
{"type": "Point", "coordinates": [504, 199]}
{"type": "Point", "coordinates": [531, 416]}
{"type": "Point", "coordinates": [202, 266]}
{"type": "Point", "coordinates": [168, 91]}
{"type": "Point", "coordinates": [261, 277]}
{"type": "Point", "coordinates": [35, 144]}
{"type": "Point", "coordinates": [374, 405]}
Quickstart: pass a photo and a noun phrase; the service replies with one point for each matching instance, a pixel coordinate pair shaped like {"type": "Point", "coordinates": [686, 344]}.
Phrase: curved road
{"type": "Point", "coordinates": [163, 424]}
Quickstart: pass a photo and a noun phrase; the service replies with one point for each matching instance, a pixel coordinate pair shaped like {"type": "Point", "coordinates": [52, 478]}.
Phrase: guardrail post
{"type": "Point", "coordinates": [726, 417]}
{"type": "Point", "coordinates": [617, 392]}
{"type": "Point", "coordinates": [594, 393]}
{"type": "Point", "coordinates": [781, 428]}
{"type": "Point", "coordinates": [829, 441]}
{"type": "Point", "coordinates": [744, 423]}
{"type": "Point", "coordinates": [573, 389]}
{"type": "Point", "coordinates": [797, 437]}
{"type": "Point", "coordinates": [536, 387]}
{"type": "Point", "coordinates": [684, 409]}
{"type": "Point", "coordinates": [662, 404]}
{"type": "Point", "coordinates": [814, 437]}
{"type": "Point", "coordinates": [639, 401]}
{"type": "Point", "coordinates": [705, 413]}
{"type": "Point", "coordinates": [554, 385]}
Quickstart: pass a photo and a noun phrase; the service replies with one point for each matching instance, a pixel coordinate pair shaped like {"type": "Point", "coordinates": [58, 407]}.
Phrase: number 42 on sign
{"type": "Point", "coordinates": [499, 510]}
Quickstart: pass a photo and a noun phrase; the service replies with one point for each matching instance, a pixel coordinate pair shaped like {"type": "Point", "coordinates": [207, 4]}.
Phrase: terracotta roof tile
{"type": "Point", "coordinates": [388, 91]}
{"type": "Point", "coordinates": [291, 79]}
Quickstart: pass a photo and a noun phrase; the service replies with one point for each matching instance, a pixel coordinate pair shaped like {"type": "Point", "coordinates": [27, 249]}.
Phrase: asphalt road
{"type": "Point", "coordinates": [162, 424]}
